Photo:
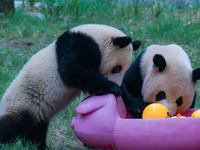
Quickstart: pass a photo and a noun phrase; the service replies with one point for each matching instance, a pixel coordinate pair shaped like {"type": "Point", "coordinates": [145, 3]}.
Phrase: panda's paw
{"type": "Point", "coordinates": [136, 110]}
{"type": "Point", "coordinates": [115, 89]}
{"type": "Point", "coordinates": [136, 113]}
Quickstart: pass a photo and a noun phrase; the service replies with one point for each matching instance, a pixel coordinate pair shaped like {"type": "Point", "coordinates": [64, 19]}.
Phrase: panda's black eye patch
{"type": "Point", "coordinates": [179, 101]}
{"type": "Point", "coordinates": [161, 95]}
{"type": "Point", "coordinates": [117, 69]}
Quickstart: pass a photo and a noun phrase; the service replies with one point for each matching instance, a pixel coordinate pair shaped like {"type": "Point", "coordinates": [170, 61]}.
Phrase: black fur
{"type": "Point", "coordinates": [196, 74]}
{"type": "Point", "coordinates": [38, 134]}
{"type": "Point", "coordinates": [22, 125]}
{"type": "Point", "coordinates": [194, 99]}
{"type": "Point", "coordinates": [132, 95]}
{"type": "Point", "coordinates": [122, 41]}
{"type": "Point", "coordinates": [132, 86]}
{"type": "Point", "coordinates": [136, 44]}
{"type": "Point", "coordinates": [159, 61]}
{"type": "Point", "coordinates": [160, 96]}
{"type": "Point", "coordinates": [79, 59]}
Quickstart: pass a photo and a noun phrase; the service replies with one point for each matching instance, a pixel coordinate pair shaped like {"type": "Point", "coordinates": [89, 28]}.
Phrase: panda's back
{"type": "Point", "coordinates": [38, 87]}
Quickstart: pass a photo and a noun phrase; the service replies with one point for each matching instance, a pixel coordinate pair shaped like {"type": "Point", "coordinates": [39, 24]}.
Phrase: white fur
{"type": "Point", "coordinates": [39, 88]}
{"type": "Point", "coordinates": [111, 55]}
{"type": "Point", "coordinates": [175, 80]}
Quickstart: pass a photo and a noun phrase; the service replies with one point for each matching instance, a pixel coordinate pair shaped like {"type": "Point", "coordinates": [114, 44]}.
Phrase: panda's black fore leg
{"type": "Point", "coordinates": [38, 135]}
{"type": "Point", "coordinates": [91, 81]}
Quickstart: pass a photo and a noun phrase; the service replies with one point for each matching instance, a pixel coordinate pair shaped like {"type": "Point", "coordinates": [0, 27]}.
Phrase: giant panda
{"type": "Point", "coordinates": [90, 58]}
{"type": "Point", "coordinates": [163, 74]}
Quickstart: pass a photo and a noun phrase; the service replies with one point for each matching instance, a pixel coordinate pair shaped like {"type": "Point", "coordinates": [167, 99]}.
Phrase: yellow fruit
{"type": "Point", "coordinates": [155, 110]}
{"type": "Point", "coordinates": [196, 113]}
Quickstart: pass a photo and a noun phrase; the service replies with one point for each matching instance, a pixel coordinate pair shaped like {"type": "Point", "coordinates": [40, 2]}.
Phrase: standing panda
{"type": "Point", "coordinates": [163, 74]}
{"type": "Point", "coordinates": [90, 58]}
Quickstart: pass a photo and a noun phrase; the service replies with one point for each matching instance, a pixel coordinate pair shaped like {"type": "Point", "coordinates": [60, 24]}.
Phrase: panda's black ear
{"type": "Point", "coordinates": [136, 44]}
{"type": "Point", "coordinates": [122, 41]}
{"type": "Point", "coordinates": [159, 61]}
{"type": "Point", "coordinates": [196, 74]}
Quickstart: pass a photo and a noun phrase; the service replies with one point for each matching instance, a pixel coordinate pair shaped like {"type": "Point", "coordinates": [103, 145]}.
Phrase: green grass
{"type": "Point", "coordinates": [22, 35]}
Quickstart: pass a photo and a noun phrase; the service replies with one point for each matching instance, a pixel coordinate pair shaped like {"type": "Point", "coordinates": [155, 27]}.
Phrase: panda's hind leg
{"type": "Point", "coordinates": [38, 135]}
{"type": "Point", "coordinates": [15, 125]}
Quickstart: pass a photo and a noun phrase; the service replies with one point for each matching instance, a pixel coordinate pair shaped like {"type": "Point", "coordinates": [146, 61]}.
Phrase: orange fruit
{"type": "Point", "coordinates": [196, 113]}
{"type": "Point", "coordinates": [155, 110]}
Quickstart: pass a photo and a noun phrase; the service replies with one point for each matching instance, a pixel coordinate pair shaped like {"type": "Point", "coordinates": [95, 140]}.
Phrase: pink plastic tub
{"type": "Point", "coordinates": [103, 122]}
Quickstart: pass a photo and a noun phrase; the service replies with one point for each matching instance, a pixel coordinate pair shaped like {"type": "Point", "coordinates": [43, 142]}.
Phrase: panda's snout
{"type": "Point", "coordinates": [170, 106]}
{"type": "Point", "coordinates": [117, 79]}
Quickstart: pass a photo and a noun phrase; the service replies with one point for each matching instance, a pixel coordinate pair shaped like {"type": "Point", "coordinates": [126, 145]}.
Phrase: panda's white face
{"type": "Point", "coordinates": [172, 86]}
{"type": "Point", "coordinates": [115, 60]}
{"type": "Point", "coordinates": [114, 69]}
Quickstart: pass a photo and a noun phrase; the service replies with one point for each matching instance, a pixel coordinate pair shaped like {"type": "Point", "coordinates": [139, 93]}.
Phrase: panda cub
{"type": "Point", "coordinates": [90, 58]}
{"type": "Point", "coordinates": [163, 74]}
